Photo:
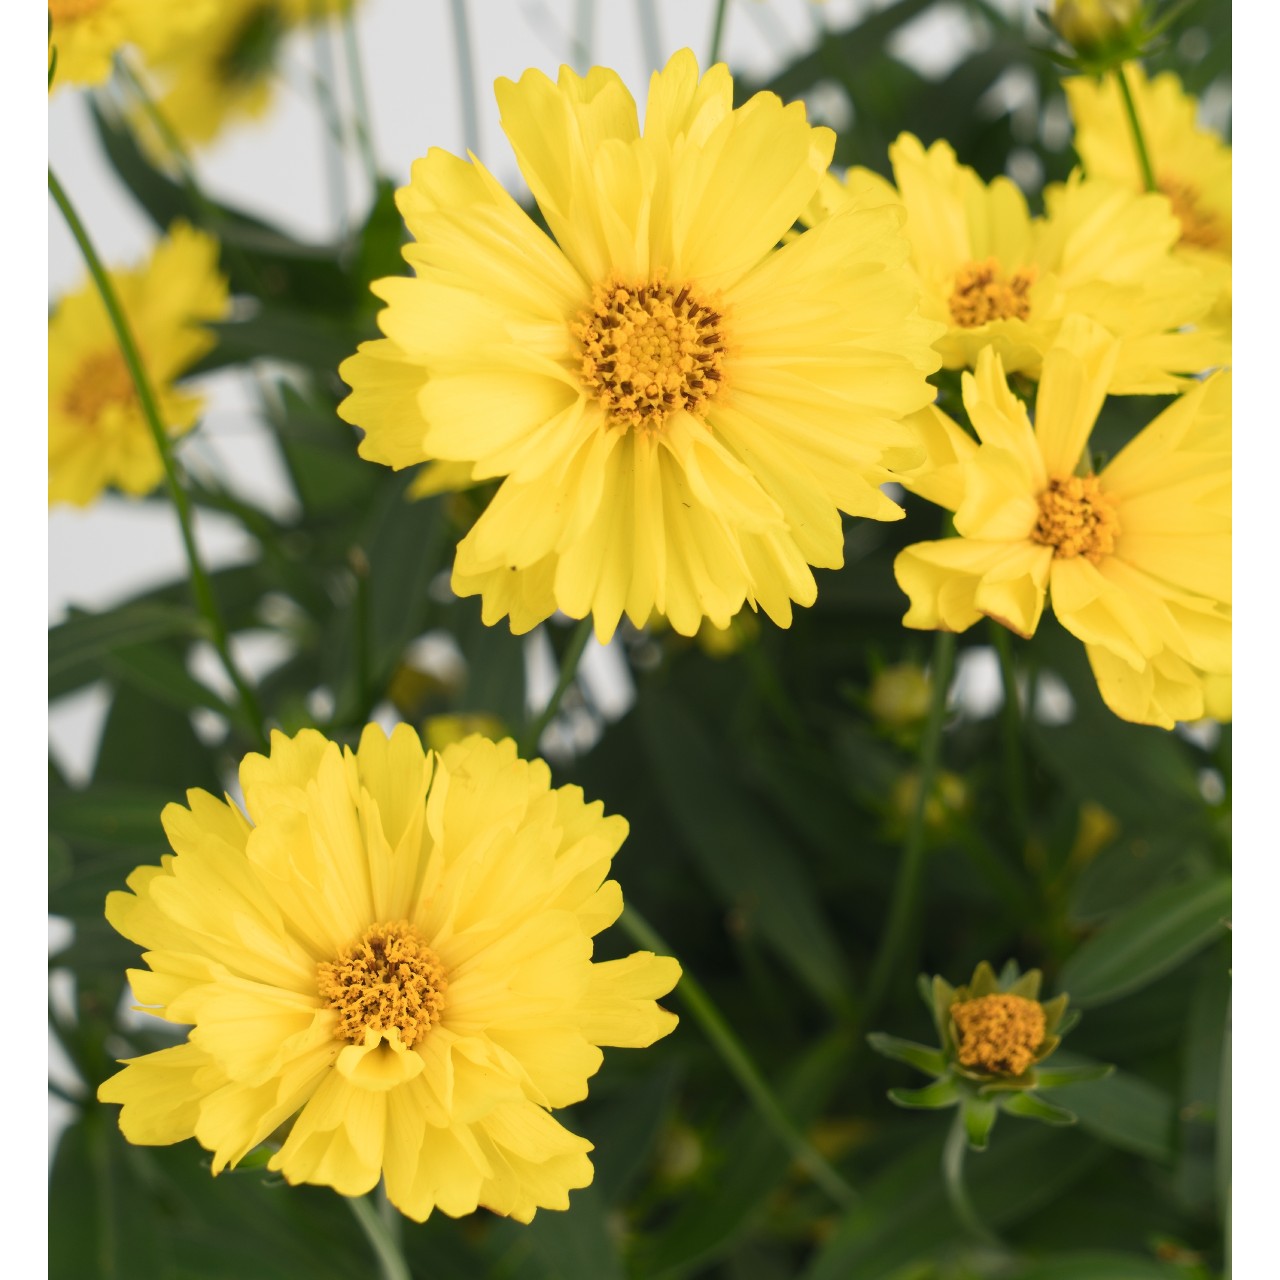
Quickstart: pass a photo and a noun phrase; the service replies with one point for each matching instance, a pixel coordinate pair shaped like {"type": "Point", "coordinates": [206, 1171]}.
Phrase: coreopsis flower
{"type": "Point", "coordinates": [89, 33]}
{"type": "Point", "coordinates": [994, 1033]}
{"type": "Point", "coordinates": [389, 956]}
{"type": "Point", "coordinates": [98, 436]}
{"type": "Point", "coordinates": [997, 277]}
{"type": "Point", "coordinates": [228, 74]}
{"type": "Point", "coordinates": [678, 409]}
{"type": "Point", "coordinates": [1192, 164]}
{"type": "Point", "coordinates": [1136, 559]}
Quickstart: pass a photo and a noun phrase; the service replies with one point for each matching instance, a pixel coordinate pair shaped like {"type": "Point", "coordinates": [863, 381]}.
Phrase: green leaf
{"type": "Point", "coordinates": [932, 1097]}
{"type": "Point", "coordinates": [979, 1117]}
{"type": "Point", "coordinates": [1100, 1266]}
{"type": "Point", "coordinates": [577, 1245]}
{"type": "Point", "coordinates": [1134, 949]}
{"type": "Point", "coordinates": [740, 851]}
{"type": "Point", "coordinates": [1055, 1077]}
{"type": "Point", "coordinates": [159, 670]}
{"type": "Point", "coordinates": [922, 1056]}
{"type": "Point", "coordinates": [278, 331]}
{"type": "Point", "coordinates": [108, 816]}
{"type": "Point", "coordinates": [1202, 1082]}
{"type": "Point", "coordinates": [1030, 1107]}
{"type": "Point", "coordinates": [1125, 1111]}
{"type": "Point", "coordinates": [79, 647]}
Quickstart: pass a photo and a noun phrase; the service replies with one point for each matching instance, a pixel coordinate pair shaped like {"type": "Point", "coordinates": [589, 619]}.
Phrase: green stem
{"type": "Point", "coordinates": [568, 668]}
{"type": "Point", "coordinates": [1013, 738]}
{"type": "Point", "coordinates": [360, 97]}
{"type": "Point", "coordinates": [1135, 128]}
{"type": "Point", "coordinates": [386, 1248]}
{"type": "Point", "coordinates": [324, 82]}
{"type": "Point", "coordinates": [466, 76]}
{"type": "Point", "coordinates": [906, 892]}
{"type": "Point", "coordinates": [717, 32]}
{"type": "Point", "coordinates": [953, 1154]}
{"type": "Point", "coordinates": [738, 1060]}
{"type": "Point", "coordinates": [201, 588]}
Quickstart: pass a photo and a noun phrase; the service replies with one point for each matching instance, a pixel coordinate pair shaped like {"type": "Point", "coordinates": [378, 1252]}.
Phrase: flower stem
{"type": "Point", "coordinates": [1011, 721]}
{"type": "Point", "coordinates": [391, 1263]}
{"type": "Point", "coordinates": [201, 588]}
{"type": "Point", "coordinates": [325, 84]}
{"type": "Point", "coordinates": [739, 1062]}
{"type": "Point", "coordinates": [953, 1153]}
{"type": "Point", "coordinates": [568, 668]}
{"type": "Point", "coordinates": [1135, 128]}
{"type": "Point", "coordinates": [717, 32]}
{"type": "Point", "coordinates": [906, 892]}
{"type": "Point", "coordinates": [360, 97]}
{"type": "Point", "coordinates": [466, 76]}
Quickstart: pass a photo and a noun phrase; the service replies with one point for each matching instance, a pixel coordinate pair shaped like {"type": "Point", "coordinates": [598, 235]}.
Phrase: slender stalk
{"type": "Point", "coordinates": [466, 76]}
{"type": "Point", "coordinates": [568, 668]}
{"type": "Point", "coordinates": [201, 588]}
{"type": "Point", "coordinates": [391, 1263]}
{"type": "Point", "coordinates": [953, 1178]}
{"type": "Point", "coordinates": [906, 892]}
{"type": "Point", "coordinates": [213, 219]}
{"type": "Point", "coordinates": [360, 97]}
{"type": "Point", "coordinates": [1135, 128]}
{"type": "Point", "coordinates": [365, 689]}
{"type": "Point", "coordinates": [738, 1060]}
{"type": "Point", "coordinates": [717, 32]}
{"type": "Point", "coordinates": [650, 39]}
{"type": "Point", "coordinates": [1015, 774]}
{"type": "Point", "coordinates": [325, 83]}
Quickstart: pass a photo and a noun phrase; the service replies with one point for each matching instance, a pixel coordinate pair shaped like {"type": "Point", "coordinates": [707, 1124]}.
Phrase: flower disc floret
{"type": "Point", "coordinates": [984, 293]}
{"type": "Point", "coordinates": [999, 1034]}
{"type": "Point", "coordinates": [1076, 519]}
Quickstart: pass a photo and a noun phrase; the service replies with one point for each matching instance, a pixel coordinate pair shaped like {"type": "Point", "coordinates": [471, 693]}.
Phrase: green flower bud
{"type": "Point", "coordinates": [1091, 25]}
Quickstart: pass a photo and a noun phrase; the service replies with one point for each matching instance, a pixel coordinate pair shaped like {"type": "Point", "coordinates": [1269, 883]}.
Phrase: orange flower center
{"type": "Point", "coordinates": [389, 979]}
{"type": "Point", "coordinates": [649, 350]}
{"type": "Point", "coordinates": [101, 381]}
{"type": "Point", "coordinates": [70, 10]}
{"type": "Point", "coordinates": [1076, 519]}
{"type": "Point", "coordinates": [998, 1034]}
{"type": "Point", "coordinates": [982, 292]}
{"type": "Point", "coordinates": [1199, 227]}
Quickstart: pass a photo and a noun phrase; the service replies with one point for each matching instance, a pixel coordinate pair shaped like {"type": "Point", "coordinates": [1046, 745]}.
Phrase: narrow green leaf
{"type": "Point", "coordinates": [932, 1097]}
{"type": "Point", "coordinates": [1125, 1111]}
{"type": "Point", "coordinates": [1056, 1077]}
{"type": "Point", "coordinates": [923, 1056]}
{"type": "Point", "coordinates": [79, 646]}
{"type": "Point", "coordinates": [1030, 1107]}
{"type": "Point", "coordinates": [1143, 944]}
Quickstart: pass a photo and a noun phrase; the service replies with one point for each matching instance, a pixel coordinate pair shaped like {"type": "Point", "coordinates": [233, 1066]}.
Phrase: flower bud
{"type": "Point", "coordinates": [899, 696]}
{"type": "Point", "coordinates": [1090, 25]}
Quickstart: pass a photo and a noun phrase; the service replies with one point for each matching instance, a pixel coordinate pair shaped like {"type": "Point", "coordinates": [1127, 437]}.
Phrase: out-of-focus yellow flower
{"type": "Point", "coordinates": [443, 731]}
{"type": "Point", "coordinates": [1192, 165]}
{"type": "Point", "coordinates": [1089, 25]}
{"type": "Point", "coordinates": [98, 436]}
{"type": "Point", "coordinates": [679, 410]}
{"type": "Point", "coordinates": [948, 799]}
{"type": "Point", "coordinates": [228, 73]}
{"type": "Point", "coordinates": [395, 954]}
{"type": "Point", "coordinates": [997, 277]}
{"type": "Point", "coordinates": [899, 696]}
{"type": "Point", "coordinates": [89, 33]}
{"type": "Point", "coordinates": [1136, 559]}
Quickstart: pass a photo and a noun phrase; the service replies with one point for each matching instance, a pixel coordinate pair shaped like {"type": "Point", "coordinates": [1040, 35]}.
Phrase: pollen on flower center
{"type": "Point", "coordinates": [982, 292]}
{"type": "Point", "coordinates": [389, 979]}
{"type": "Point", "coordinates": [102, 380]}
{"type": "Point", "coordinates": [998, 1033]}
{"type": "Point", "coordinates": [1076, 519]}
{"type": "Point", "coordinates": [1199, 228]}
{"type": "Point", "coordinates": [649, 350]}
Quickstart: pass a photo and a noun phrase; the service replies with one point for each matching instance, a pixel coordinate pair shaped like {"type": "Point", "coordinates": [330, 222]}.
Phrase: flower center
{"type": "Point", "coordinates": [1076, 519]}
{"type": "Point", "coordinates": [389, 979]}
{"type": "Point", "coordinates": [649, 350]}
{"type": "Point", "coordinates": [998, 1034]}
{"type": "Point", "coordinates": [70, 10]}
{"type": "Point", "coordinates": [982, 292]}
{"type": "Point", "coordinates": [101, 381]}
{"type": "Point", "coordinates": [1199, 227]}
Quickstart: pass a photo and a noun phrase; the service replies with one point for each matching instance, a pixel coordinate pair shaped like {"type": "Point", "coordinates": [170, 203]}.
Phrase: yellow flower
{"type": "Point", "coordinates": [98, 436]}
{"type": "Point", "coordinates": [395, 955]}
{"type": "Point", "coordinates": [1192, 165]}
{"type": "Point", "coordinates": [228, 73]}
{"type": "Point", "coordinates": [1089, 25]}
{"type": "Point", "coordinates": [1137, 559]}
{"type": "Point", "coordinates": [680, 409]}
{"type": "Point", "coordinates": [89, 33]}
{"type": "Point", "coordinates": [997, 277]}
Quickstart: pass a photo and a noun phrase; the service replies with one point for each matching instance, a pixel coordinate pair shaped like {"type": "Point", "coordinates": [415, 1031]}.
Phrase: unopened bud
{"type": "Point", "coordinates": [1091, 25]}
{"type": "Point", "coordinates": [899, 696]}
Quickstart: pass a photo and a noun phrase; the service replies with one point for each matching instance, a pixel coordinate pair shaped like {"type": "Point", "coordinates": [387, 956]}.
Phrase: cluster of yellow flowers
{"type": "Point", "coordinates": [680, 396]}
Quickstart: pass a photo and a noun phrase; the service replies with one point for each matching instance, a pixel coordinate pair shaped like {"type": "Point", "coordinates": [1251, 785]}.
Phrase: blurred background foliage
{"type": "Point", "coordinates": [768, 794]}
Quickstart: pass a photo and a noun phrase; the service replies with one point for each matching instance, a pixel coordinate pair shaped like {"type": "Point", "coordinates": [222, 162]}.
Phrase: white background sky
{"type": "Point", "coordinates": [277, 169]}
